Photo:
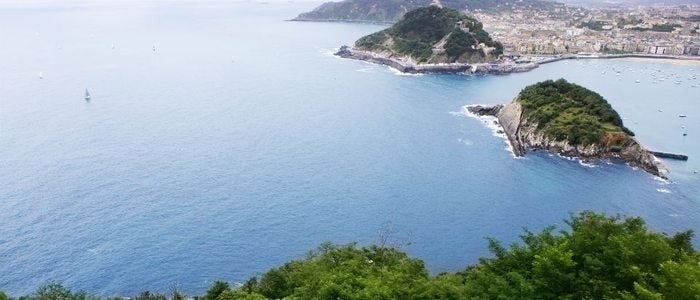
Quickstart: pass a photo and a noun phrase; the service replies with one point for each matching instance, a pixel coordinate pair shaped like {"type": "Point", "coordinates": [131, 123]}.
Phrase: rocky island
{"type": "Point", "coordinates": [434, 39]}
{"type": "Point", "coordinates": [570, 120]}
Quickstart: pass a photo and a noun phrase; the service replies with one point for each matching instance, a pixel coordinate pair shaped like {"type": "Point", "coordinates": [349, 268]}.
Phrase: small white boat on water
{"type": "Point", "coordinates": [87, 95]}
{"type": "Point", "coordinates": [637, 81]}
{"type": "Point", "coordinates": [677, 82]}
{"type": "Point", "coordinates": [41, 75]}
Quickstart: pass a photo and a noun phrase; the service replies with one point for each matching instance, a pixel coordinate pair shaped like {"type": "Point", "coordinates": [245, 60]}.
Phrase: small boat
{"type": "Point", "coordinates": [41, 75]}
{"type": "Point", "coordinates": [677, 82]}
{"type": "Point", "coordinates": [154, 48]}
{"type": "Point", "coordinates": [681, 116]}
{"type": "Point", "coordinates": [637, 81]}
{"type": "Point", "coordinates": [87, 95]}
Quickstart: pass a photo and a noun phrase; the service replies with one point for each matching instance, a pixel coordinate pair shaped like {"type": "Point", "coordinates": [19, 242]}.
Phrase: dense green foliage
{"type": "Point", "coordinates": [390, 11]}
{"type": "Point", "coordinates": [592, 25]}
{"type": "Point", "coordinates": [458, 43]}
{"type": "Point", "coordinates": [660, 28]}
{"type": "Point", "coordinates": [421, 29]}
{"type": "Point", "coordinates": [566, 111]}
{"type": "Point", "coordinates": [600, 257]}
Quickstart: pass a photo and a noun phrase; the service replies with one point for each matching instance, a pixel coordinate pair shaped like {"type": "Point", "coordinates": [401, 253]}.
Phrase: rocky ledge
{"type": "Point", "coordinates": [523, 135]}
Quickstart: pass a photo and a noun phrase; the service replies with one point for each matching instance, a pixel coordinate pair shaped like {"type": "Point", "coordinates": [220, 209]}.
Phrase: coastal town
{"type": "Point", "coordinates": [658, 29]}
{"type": "Point", "coordinates": [532, 37]}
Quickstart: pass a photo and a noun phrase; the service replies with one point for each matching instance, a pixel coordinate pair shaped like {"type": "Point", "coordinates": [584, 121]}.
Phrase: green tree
{"type": "Point", "coordinates": [240, 295]}
{"type": "Point", "coordinates": [216, 289]}
{"type": "Point", "coordinates": [146, 295]}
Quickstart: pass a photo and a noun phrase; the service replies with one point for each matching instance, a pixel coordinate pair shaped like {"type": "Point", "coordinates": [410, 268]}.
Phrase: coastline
{"type": "Point", "coordinates": [351, 21]}
{"type": "Point", "coordinates": [524, 136]}
{"type": "Point", "coordinates": [407, 65]}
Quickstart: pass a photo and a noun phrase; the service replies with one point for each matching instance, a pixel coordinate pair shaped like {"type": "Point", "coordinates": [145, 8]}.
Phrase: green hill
{"type": "Point", "coordinates": [566, 111]}
{"type": "Point", "coordinates": [433, 34]}
{"type": "Point", "coordinates": [389, 11]}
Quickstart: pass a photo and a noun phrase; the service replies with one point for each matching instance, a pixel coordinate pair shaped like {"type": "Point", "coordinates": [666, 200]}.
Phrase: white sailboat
{"type": "Point", "coordinates": [87, 95]}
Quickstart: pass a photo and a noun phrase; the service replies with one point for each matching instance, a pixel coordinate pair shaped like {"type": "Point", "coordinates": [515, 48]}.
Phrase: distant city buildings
{"type": "Point", "coordinates": [664, 30]}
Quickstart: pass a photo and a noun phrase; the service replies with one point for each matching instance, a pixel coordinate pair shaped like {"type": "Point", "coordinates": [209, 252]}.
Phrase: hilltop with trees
{"type": "Point", "coordinates": [433, 34]}
{"type": "Point", "coordinates": [568, 119]}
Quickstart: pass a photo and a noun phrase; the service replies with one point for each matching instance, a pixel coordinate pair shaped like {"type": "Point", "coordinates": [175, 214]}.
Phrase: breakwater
{"type": "Point", "coordinates": [669, 155]}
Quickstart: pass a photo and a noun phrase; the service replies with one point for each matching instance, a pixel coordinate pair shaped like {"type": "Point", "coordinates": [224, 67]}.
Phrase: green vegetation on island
{"type": "Point", "coordinates": [390, 11]}
{"type": "Point", "coordinates": [433, 34]}
{"type": "Point", "coordinates": [569, 112]}
{"type": "Point", "coordinates": [599, 257]}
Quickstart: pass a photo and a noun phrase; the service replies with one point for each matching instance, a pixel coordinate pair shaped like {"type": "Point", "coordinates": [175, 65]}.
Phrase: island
{"type": "Point", "coordinates": [434, 39]}
{"type": "Point", "coordinates": [570, 120]}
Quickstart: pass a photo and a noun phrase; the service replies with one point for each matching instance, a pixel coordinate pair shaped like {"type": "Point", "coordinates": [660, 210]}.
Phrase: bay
{"type": "Point", "coordinates": [240, 143]}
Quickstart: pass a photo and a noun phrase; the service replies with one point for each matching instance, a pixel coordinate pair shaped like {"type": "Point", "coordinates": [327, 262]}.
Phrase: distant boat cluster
{"type": "Point", "coordinates": [657, 77]}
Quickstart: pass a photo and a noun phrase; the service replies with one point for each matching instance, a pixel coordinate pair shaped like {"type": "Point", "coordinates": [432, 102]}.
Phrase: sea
{"type": "Point", "coordinates": [221, 140]}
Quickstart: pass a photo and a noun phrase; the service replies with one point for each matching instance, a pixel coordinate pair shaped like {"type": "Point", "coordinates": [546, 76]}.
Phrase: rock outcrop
{"type": "Point", "coordinates": [524, 135]}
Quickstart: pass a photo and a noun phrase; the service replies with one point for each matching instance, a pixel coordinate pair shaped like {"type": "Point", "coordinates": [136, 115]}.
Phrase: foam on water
{"type": "Point", "coordinates": [399, 73]}
{"type": "Point", "coordinates": [490, 122]}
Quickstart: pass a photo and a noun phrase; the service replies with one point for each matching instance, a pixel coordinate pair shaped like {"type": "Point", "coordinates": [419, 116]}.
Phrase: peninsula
{"type": "Point", "coordinates": [570, 120]}
{"type": "Point", "coordinates": [433, 39]}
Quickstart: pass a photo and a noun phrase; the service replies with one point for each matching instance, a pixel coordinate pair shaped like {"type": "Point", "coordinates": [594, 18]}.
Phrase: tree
{"type": "Point", "coordinates": [216, 289]}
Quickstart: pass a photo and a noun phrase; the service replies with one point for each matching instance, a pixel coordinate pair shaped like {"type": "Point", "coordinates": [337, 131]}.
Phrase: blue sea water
{"type": "Point", "coordinates": [240, 143]}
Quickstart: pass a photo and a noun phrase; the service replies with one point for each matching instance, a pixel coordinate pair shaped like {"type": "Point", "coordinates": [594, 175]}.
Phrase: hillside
{"type": "Point", "coordinates": [599, 257]}
{"type": "Point", "coordinates": [570, 120]}
{"type": "Point", "coordinates": [390, 11]}
{"type": "Point", "coordinates": [435, 35]}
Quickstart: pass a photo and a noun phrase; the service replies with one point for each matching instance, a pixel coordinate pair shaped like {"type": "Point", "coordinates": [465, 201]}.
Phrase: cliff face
{"type": "Point", "coordinates": [523, 135]}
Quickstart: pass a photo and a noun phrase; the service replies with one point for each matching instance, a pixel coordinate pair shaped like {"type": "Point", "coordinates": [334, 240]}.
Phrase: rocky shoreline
{"type": "Point", "coordinates": [524, 135]}
{"type": "Point", "coordinates": [406, 65]}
